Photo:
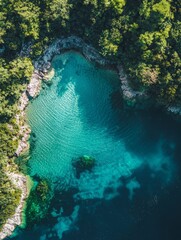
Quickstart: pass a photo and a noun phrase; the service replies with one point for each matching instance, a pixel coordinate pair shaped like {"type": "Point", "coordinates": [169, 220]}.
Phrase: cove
{"type": "Point", "coordinates": [134, 189]}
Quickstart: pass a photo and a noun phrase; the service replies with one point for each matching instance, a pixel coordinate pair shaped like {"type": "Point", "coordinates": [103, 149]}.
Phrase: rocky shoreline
{"type": "Point", "coordinates": [131, 96]}
{"type": "Point", "coordinates": [174, 110]}
{"type": "Point", "coordinates": [20, 182]}
{"type": "Point", "coordinates": [41, 69]}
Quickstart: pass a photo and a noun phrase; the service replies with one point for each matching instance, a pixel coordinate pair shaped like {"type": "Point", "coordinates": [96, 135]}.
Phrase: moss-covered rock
{"type": "Point", "coordinates": [83, 163]}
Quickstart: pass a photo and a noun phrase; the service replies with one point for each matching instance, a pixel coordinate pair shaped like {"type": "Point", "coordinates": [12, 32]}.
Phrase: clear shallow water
{"type": "Point", "coordinates": [134, 191]}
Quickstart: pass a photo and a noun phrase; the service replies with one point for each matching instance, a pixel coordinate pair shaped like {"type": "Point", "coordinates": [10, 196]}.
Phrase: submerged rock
{"type": "Point", "coordinates": [38, 202]}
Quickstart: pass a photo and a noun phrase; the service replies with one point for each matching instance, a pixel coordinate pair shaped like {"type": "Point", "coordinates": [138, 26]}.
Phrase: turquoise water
{"type": "Point", "coordinates": [128, 194]}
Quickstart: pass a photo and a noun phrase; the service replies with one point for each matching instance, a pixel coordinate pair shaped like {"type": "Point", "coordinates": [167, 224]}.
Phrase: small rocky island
{"type": "Point", "coordinates": [83, 163]}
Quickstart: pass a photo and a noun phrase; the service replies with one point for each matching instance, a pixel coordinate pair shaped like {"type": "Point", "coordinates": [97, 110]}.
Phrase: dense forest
{"type": "Point", "coordinates": [143, 35]}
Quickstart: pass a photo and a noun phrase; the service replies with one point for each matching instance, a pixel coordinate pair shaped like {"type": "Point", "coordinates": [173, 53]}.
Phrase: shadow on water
{"type": "Point", "coordinates": [130, 125]}
{"type": "Point", "coordinates": [153, 213]}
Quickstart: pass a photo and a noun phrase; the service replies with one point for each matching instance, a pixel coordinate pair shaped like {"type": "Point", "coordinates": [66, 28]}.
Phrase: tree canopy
{"type": "Point", "coordinates": [143, 35]}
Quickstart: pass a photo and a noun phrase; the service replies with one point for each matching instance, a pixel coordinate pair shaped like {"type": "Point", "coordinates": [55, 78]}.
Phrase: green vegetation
{"type": "Point", "coordinates": [86, 162]}
{"type": "Point", "coordinates": [9, 198]}
{"type": "Point", "coordinates": [142, 35]}
{"type": "Point", "coordinates": [38, 202]}
{"type": "Point", "coordinates": [83, 163]}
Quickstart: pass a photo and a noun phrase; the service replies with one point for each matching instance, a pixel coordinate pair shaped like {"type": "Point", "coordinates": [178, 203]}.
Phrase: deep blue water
{"type": "Point", "coordinates": [134, 190]}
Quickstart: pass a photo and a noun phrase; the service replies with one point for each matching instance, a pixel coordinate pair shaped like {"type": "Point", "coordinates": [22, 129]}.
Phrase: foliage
{"type": "Point", "coordinates": [9, 197]}
{"type": "Point", "coordinates": [143, 35]}
{"type": "Point", "coordinates": [83, 163]}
